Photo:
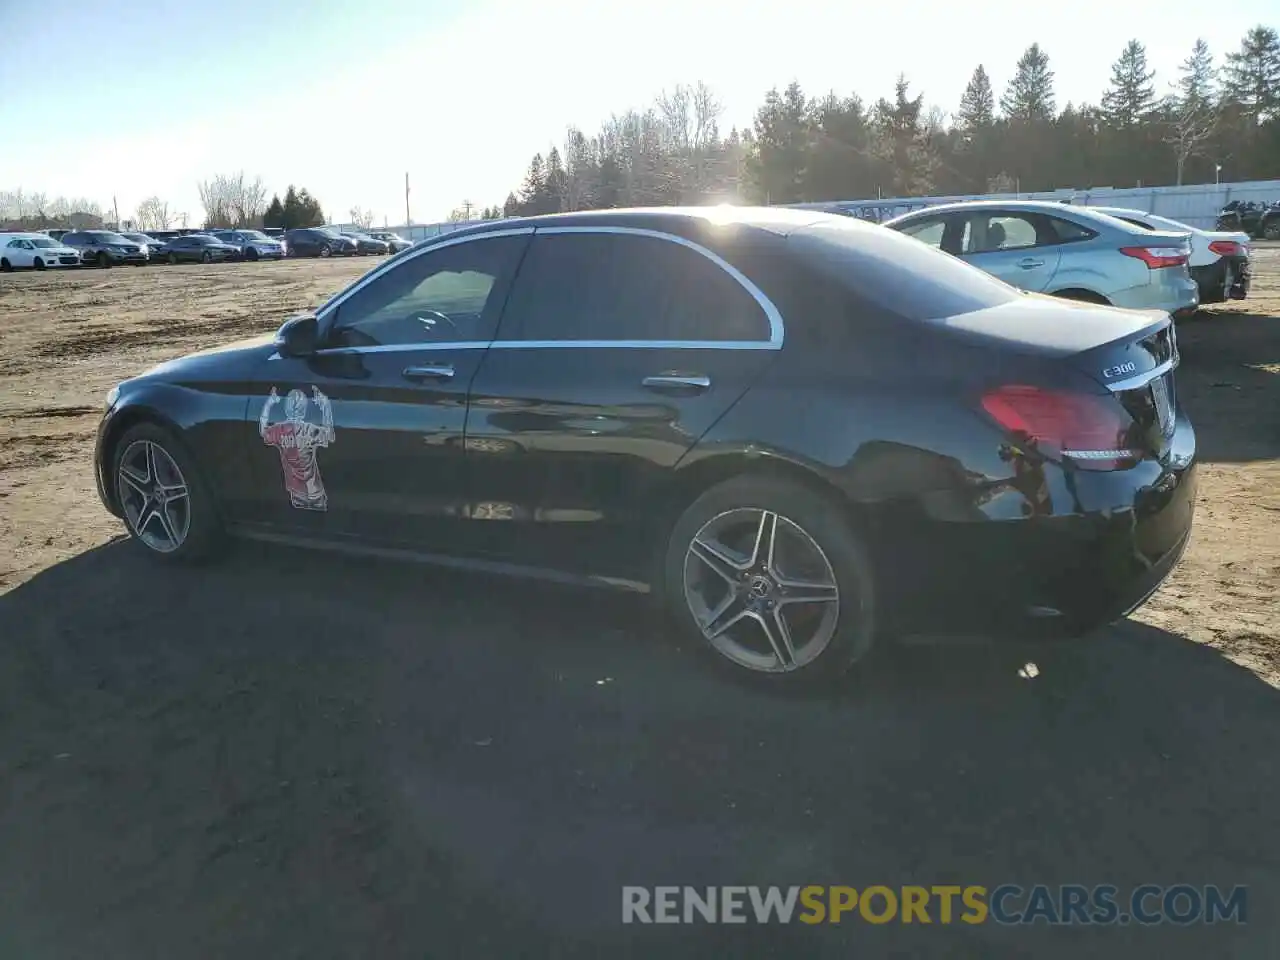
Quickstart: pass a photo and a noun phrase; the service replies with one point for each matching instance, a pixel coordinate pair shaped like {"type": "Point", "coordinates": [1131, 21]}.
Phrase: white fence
{"type": "Point", "coordinates": [1195, 204]}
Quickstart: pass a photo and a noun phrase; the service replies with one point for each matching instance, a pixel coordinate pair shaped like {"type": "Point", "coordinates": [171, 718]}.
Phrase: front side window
{"type": "Point", "coordinates": [617, 286]}
{"type": "Point", "coordinates": [927, 230]}
{"type": "Point", "coordinates": [448, 295]}
{"type": "Point", "coordinates": [994, 232]}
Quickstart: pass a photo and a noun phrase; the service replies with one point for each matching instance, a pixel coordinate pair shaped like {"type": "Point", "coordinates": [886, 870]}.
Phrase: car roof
{"type": "Point", "coordinates": [677, 220]}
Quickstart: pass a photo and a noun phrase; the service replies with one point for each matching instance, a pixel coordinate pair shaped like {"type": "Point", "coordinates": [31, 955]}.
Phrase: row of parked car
{"type": "Point", "coordinates": [109, 248]}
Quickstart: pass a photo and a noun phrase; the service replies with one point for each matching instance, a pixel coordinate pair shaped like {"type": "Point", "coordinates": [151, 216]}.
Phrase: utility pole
{"type": "Point", "coordinates": [407, 219]}
{"type": "Point", "coordinates": [115, 208]}
{"type": "Point", "coordinates": [466, 210]}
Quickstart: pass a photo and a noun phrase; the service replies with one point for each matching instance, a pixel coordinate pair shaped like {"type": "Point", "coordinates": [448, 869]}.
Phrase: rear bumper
{"type": "Point", "coordinates": [1173, 291]}
{"type": "Point", "coordinates": [1053, 554]}
{"type": "Point", "coordinates": [1227, 278]}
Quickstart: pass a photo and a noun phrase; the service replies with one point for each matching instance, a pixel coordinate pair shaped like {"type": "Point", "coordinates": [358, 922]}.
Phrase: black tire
{"type": "Point", "coordinates": [1271, 229]}
{"type": "Point", "coordinates": [5, 265]}
{"type": "Point", "coordinates": [206, 257]}
{"type": "Point", "coordinates": [326, 251]}
{"type": "Point", "coordinates": [828, 525]}
{"type": "Point", "coordinates": [252, 255]}
{"type": "Point", "coordinates": [39, 264]}
{"type": "Point", "coordinates": [103, 261]}
{"type": "Point", "coordinates": [173, 259]}
{"type": "Point", "coordinates": [204, 534]}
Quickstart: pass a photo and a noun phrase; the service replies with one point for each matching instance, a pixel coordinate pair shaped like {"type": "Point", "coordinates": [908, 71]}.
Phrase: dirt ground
{"type": "Point", "coordinates": [290, 754]}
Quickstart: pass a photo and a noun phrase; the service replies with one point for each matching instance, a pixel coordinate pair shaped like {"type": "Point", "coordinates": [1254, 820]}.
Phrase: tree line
{"type": "Point", "coordinates": [1211, 120]}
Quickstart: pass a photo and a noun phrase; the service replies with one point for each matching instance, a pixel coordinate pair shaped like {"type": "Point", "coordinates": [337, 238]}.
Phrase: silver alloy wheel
{"type": "Point", "coordinates": [154, 496]}
{"type": "Point", "coordinates": [761, 590]}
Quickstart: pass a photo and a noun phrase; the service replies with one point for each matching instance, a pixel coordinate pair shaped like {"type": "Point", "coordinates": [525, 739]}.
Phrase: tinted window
{"type": "Point", "coordinates": [604, 286]}
{"type": "Point", "coordinates": [14, 243]}
{"type": "Point", "coordinates": [1068, 232]}
{"type": "Point", "coordinates": [69, 238]}
{"type": "Point", "coordinates": [450, 294]}
{"type": "Point", "coordinates": [896, 273]}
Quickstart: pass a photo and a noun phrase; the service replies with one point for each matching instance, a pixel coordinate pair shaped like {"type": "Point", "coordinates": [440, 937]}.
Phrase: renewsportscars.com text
{"type": "Point", "coordinates": [1009, 904]}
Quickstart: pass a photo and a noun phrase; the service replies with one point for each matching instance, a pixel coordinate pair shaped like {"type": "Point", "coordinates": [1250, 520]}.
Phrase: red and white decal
{"type": "Point", "coordinates": [298, 441]}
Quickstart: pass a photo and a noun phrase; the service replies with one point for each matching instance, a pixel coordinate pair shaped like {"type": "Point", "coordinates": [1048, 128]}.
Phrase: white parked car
{"type": "Point", "coordinates": [1220, 260]}
{"type": "Point", "coordinates": [35, 251]}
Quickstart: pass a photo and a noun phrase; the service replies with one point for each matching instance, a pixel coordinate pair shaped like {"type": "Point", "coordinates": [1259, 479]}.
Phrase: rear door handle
{"type": "Point", "coordinates": [442, 371]}
{"type": "Point", "coordinates": [677, 383]}
{"type": "Point", "coordinates": [1030, 263]}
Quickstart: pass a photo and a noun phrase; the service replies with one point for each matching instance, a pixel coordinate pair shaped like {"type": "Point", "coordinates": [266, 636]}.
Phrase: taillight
{"type": "Point", "coordinates": [1228, 248]}
{"type": "Point", "coordinates": [1157, 257]}
{"type": "Point", "coordinates": [1089, 430]}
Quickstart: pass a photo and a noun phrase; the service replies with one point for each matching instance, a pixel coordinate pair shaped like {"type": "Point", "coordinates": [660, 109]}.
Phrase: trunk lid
{"type": "Point", "coordinates": [1130, 354]}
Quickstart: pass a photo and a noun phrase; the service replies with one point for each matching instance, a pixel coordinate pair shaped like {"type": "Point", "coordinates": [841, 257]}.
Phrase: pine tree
{"type": "Point", "coordinates": [557, 184]}
{"type": "Point", "coordinates": [1252, 75]}
{"type": "Point", "coordinates": [783, 137]}
{"type": "Point", "coordinates": [1029, 97]}
{"type": "Point", "coordinates": [292, 213]}
{"type": "Point", "coordinates": [534, 191]}
{"type": "Point", "coordinates": [902, 143]}
{"type": "Point", "coordinates": [978, 105]}
{"type": "Point", "coordinates": [274, 217]}
{"type": "Point", "coordinates": [1132, 96]}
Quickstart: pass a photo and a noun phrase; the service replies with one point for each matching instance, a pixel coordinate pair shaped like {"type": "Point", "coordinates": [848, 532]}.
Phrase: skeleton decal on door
{"type": "Point", "coordinates": [298, 442]}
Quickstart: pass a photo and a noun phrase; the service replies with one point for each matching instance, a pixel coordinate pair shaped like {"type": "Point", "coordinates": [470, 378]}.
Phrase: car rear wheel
{"type": "Point", "coordinates": [103, 261]}
{"type": "Point", "coordinates": [5, 265]}
{"type": "Point", "coordinates": [166, 505]}
{"type": "Point", "coordinates": [770, 578]}
{"type": "Point", "coordinates": [1271, 231]}
{"type": "Point", "coordinates": [173, 258]}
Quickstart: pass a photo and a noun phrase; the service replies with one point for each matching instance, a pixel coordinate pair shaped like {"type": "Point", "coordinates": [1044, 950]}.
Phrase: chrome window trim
{"type": "Point", "coordinates": [548, 345]}
{"type": "Point", "coordinates": [777, 330]}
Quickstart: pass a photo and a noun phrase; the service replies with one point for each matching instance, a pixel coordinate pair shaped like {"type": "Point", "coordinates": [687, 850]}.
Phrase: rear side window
{"type": "Point", "coordinates": [1069, 232]}
{"type": "Point", "coordinates": [618, 286]}
{"type": "Point", "coordinates": [897, 273]}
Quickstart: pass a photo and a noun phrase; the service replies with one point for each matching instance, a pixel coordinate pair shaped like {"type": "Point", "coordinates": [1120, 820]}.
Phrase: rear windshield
{"type": "Point", "coordinates": [897, 273]}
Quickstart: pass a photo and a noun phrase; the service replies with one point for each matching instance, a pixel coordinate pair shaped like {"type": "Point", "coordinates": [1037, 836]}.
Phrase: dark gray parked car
{"type": "Point", "coordinates": [105, 248]}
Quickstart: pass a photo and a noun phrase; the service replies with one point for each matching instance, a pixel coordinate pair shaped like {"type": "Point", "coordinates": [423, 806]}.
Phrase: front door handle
{"type": "Point", "coordinates": [1030, 263]}
{"type": "Point", "coordinates": [442, 371]}
{"type": "Point", "coordinates": [677, 383]}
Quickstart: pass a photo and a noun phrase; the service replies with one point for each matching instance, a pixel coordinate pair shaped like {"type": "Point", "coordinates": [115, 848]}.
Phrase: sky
{"type": "Point", "coordinates": [133, 99]}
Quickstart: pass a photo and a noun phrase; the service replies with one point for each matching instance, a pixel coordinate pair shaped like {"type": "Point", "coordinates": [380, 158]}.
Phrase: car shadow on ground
{"type": "Point", "coordinates": [1229, 377]}
{"type": "Point", "coordinates": [295, 755]}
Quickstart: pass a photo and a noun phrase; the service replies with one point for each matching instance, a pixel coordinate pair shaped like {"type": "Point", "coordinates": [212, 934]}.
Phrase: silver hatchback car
{"type": "Point", "coordinates": [1066, 251]}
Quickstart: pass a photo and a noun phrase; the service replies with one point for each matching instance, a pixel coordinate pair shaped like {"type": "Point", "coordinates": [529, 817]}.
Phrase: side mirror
{"type": "Point", "coordinates": [298, 336]}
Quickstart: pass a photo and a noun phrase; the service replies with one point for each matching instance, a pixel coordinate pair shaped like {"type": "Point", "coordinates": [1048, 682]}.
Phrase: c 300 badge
{"type": "Point", "coordinates": [298, 441]}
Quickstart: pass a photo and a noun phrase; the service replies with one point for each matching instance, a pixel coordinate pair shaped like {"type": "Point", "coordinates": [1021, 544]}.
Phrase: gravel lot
{"type": "Point", "coordinates": [292, 755]}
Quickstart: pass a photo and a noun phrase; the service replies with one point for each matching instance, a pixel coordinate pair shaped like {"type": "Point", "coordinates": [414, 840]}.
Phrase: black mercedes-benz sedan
{"type": "Point", "coordinates": [799, 431]}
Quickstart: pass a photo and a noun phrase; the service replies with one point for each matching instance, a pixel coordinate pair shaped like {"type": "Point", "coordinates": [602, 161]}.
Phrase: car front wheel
{"type": "Point", "coordinates": [771, 578]}
{"type": "Point", "coordinates": [103, 261]}
{"type": "Point", "coordinates": [165, 503]}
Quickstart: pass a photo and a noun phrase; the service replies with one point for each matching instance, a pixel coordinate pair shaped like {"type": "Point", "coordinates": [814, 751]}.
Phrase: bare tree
{"type": "Point", "coordinates": [153, 214]}
{"type": "Point", "coordinates": [36, 210]}
{"type": "Point", "coordinates": [361, 218]}
{"type": "Point", "coordinates": [232, 200]}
